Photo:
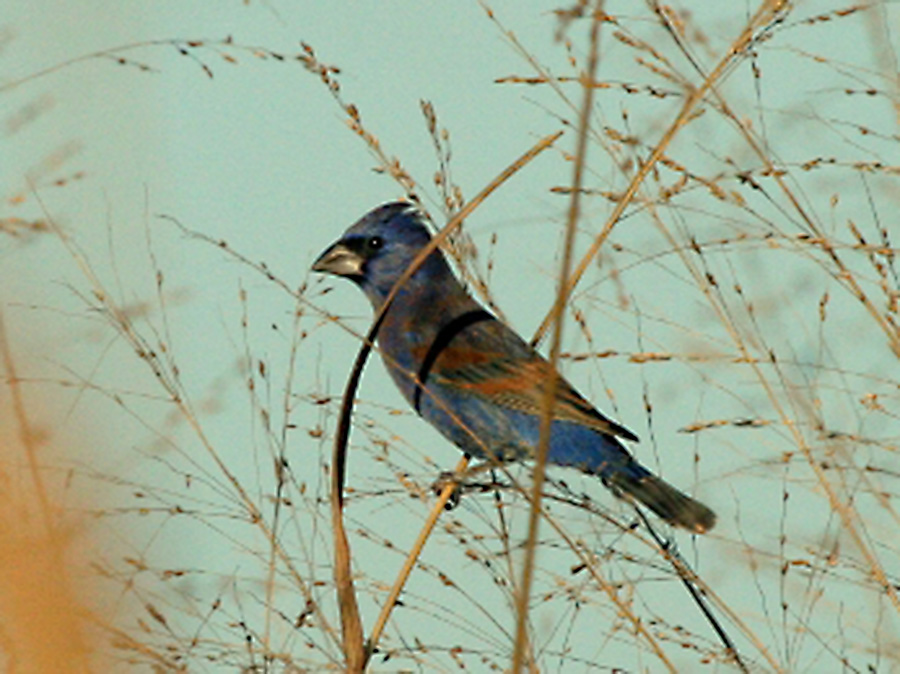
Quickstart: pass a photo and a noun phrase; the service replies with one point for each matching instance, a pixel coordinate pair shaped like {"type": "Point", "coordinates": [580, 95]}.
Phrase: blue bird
{"type": "Point", "coordinates": [473, 378]}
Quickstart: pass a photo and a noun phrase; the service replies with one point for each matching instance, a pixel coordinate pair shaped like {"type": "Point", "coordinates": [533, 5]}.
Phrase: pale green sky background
{"type": "Point", "coordinates": [259, 155]}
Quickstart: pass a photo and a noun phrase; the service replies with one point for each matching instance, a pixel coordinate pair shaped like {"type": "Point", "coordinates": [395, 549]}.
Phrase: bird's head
{"type": "Point", "coordinates": [376, 250]}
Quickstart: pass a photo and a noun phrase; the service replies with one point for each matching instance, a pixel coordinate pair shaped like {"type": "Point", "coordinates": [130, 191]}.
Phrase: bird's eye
{"type": "Point", "coordinates": [375, 243]}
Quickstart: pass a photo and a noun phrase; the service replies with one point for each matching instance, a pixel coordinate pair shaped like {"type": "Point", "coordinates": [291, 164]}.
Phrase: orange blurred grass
{"type": "Point", "coordinates": [48, 591]}
{"type": "Point", "coordinates": [50, 595]}
{"type": "Point", "coordinates": [42, 611]}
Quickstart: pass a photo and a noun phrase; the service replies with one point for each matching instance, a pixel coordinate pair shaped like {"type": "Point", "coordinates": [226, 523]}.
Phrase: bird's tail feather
{"type": "Point", "coordinates": [665, 500]}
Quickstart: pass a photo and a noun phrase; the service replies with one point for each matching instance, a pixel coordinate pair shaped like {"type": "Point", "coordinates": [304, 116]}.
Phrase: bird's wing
{"type": "Point", "coordinates": [490, 361]}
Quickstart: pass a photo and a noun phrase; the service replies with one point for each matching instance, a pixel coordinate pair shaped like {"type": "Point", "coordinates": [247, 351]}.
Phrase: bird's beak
{"type": "Point", "coordinates": [340, 261]}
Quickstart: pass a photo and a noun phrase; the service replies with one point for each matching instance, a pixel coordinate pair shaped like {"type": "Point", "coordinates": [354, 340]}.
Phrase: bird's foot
{"type": "Point", "coordinates": [462, 482]}
{"type": "Point", "coordinates": [446, 479]}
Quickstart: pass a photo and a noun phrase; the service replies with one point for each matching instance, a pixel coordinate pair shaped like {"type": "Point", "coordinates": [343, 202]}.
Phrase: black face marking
{"type": "Point", "coordinates": [364, 246]}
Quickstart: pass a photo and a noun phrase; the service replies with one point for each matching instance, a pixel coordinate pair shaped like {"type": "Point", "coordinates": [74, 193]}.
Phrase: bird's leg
{"type": "Point", "coordinates": [459, 479]}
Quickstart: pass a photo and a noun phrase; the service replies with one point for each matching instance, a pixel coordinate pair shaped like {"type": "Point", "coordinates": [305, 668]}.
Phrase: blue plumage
{"type": "Point", "coordinates": [474, 378]}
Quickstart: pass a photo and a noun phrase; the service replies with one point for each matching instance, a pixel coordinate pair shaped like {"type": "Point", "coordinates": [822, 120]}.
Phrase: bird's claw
{"type": "Point", "coordinates": [445, 479]}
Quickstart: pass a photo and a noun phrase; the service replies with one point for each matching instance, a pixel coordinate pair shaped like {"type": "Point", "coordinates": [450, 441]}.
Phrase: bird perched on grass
{"type": "Point", "coordinates": [473, 378]}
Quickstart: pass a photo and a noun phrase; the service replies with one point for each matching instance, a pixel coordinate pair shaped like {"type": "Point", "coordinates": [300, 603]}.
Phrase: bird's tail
{"type": "Point", "coordinates": [663, 499]}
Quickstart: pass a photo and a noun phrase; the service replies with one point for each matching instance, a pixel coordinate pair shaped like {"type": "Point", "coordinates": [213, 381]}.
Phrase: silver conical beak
{"type": "Point", "coordinates": [340, 261]}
